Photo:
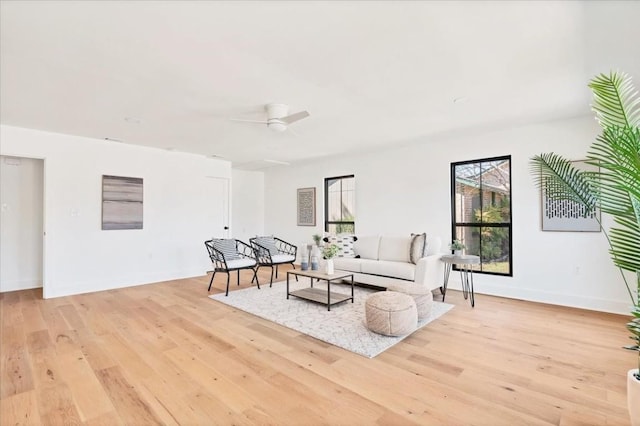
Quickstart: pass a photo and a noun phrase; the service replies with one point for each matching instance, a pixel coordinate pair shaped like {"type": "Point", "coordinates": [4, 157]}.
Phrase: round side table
{"type": "Point", "coordinates": [465, 263]}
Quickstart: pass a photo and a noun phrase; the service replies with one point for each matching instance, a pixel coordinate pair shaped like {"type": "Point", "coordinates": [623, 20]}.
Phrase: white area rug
{"type": "Point", "coordinates": [343, 326]}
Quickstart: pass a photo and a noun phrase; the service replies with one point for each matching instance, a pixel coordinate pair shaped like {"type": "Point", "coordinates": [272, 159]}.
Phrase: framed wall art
{"type": "Point", "coordinates": [306, 210]}
{"type": "Point", "coordinates": [566, 215]}
{"type": "Point", "coordinates": [121, 202]}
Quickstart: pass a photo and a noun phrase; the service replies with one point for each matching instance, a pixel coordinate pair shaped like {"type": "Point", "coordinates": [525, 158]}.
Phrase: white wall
{"type": "Point", "coordinates": [407, 190]}
{"type": "Point", "coordinates": [79, 256]}
{"type": "Point", "coordinates": [21, 239]}
{"type": "Point", "coordinates": [247, 204]}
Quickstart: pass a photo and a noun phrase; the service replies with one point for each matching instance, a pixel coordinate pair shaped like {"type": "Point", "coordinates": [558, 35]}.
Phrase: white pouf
{"type": "Point", "coordinates": [421, 295]}
{"type": "Point", "coordinates": [391, 313]}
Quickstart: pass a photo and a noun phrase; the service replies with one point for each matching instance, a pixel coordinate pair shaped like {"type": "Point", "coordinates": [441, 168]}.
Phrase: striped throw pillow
{"type": "Point", "coordinates": [227, 247]}
{"type": "Point", "coordinates": [269, 243]}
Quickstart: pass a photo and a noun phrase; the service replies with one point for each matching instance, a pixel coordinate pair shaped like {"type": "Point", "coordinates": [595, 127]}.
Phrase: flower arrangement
{"type": "Point", "coordinates": [457, 245]}
{"type": "Point", "coordinates": [330, 250]}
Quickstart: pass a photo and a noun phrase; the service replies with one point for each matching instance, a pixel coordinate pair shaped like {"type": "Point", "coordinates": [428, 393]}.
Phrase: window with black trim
{"type": "Point", "coordinates": [339, 204]}
{"type": "Point", "coordinates": [481, 212]}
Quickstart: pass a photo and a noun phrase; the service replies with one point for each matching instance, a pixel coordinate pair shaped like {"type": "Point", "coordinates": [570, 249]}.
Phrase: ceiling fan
{"type": "Point", "coordinates": [278, 118]}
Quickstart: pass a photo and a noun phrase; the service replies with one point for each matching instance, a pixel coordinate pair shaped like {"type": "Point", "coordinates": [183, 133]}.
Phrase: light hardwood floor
{"type": "Point", "coordinates": [166, 354]}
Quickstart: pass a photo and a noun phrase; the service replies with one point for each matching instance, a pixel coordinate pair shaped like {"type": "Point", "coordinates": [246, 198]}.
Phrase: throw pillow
{"type": "Point", "coordinates": [418, 247]}
{"type": "Point", "coordinates": [227, 247]}
{"type": "Point", "coordinates": [269, 243]}
{"type": "Point", "coordinates": [344, 243]}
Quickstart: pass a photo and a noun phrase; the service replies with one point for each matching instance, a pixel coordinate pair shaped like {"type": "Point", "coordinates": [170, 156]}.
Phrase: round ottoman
{"type": "Point", "coordinates": [421, 295]}
{"type": "Point", "coordinates": [391, 313]}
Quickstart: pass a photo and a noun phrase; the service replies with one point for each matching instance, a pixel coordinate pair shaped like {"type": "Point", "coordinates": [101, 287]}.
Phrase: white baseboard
{"type": "Point", "coordinates": [51, 291]}
{"type": "Point", "coordinates": [551, 298]}
{"type": "Point", "coordinates": [14, 285]}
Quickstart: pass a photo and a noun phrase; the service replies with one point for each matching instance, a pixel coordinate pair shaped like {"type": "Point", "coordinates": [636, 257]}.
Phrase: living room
{"type": "Point", "coordinates": [402, 175]}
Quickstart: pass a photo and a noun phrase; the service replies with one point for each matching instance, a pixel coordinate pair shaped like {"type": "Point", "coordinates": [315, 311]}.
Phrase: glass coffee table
{"type": "Point", "coordinates": [319, 295]}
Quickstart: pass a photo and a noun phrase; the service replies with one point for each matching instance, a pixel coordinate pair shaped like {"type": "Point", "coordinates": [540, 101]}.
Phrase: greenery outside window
{"type": "Point", "coordinates": [339, 204]}
{"type": "Point", "coordinates": [481, 211]}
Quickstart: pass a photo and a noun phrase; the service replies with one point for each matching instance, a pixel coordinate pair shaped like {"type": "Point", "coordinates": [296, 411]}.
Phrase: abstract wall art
{"type": "Point", "coordinates": [307, 206]}
{"type": "Point", "coordinates": [560, 214]}
{"type": "Point", "coordinates": [121, 202]}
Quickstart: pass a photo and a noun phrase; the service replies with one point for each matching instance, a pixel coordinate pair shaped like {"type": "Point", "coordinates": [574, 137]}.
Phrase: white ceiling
{"type": "Point", "coordinates": [371, 74]}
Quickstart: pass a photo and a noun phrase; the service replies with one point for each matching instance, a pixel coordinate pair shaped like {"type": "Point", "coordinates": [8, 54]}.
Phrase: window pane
{"type": "Point", "coordinates": [340, 196]}
{"type": "Point", "coordinates": [496, 187]}
{"type": "Point", "coordinates": [495, 249]}
{"type": "Point", "coordinates": [334, 206]}
{"type": "Point", "coordinates": [467, 192]}
{"type": "Point", "coordinates": [341, 228]}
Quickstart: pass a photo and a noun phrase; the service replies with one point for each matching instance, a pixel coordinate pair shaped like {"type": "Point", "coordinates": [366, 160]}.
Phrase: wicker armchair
{"type": "Point", "coordinates": [272, 251]}
{"type": "Point", "coordinates": [228, 255]}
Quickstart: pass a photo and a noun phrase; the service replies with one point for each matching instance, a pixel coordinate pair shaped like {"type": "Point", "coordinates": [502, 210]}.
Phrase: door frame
{"type": "Point", "coordinates": [43, 215]}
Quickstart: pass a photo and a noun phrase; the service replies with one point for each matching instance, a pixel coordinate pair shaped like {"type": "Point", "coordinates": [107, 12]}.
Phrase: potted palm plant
{"type": "Point", "coordinates": [614, 187]}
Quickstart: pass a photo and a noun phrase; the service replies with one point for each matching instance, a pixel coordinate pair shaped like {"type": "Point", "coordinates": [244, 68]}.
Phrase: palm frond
{"type": "Point", "coordinates": [616, 102]}
{"type": "Point", "coordinates": [560, 179]}
{"type": "Point", "coordinates": [625, 245]}
{"type": "Point", "coordinates": [617, 154]}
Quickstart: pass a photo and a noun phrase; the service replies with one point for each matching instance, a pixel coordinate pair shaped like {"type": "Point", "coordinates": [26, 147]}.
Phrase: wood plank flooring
{"type": "Point", "coordinates": [167, 354]}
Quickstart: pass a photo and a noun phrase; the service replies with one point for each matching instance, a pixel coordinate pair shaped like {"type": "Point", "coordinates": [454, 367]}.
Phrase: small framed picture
{"type": "Point", "coordinates": [306, 206]}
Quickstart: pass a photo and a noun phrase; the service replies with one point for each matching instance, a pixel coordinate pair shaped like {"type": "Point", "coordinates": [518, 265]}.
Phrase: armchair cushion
{"type": "Point", "coordinates": [240, 263]}
{"type": "Point", "coordinates": [282, 258]}
{"type": "Point", "coordinates": [227, 247]}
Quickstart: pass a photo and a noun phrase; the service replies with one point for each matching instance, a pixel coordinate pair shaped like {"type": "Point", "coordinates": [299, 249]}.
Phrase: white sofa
{"type": "Point", "coordinates": [385, 260]}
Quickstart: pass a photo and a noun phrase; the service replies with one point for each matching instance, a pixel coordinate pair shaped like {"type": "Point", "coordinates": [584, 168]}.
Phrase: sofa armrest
{"type": "Point", "coordinates": [429, 271]}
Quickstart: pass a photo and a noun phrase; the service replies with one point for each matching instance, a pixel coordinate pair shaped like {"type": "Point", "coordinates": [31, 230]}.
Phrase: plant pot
{"type": "Point", "coordinates": [457, 252]}
{"type": "Point", "coordinates": [329, 267]}
{"type": "Point", "coordinates": [633, 397]}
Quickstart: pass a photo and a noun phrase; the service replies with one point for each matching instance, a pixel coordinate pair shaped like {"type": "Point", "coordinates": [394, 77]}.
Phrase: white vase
{"type": "Point", "coordinates": [633, 397]}
{"type": "Point", "coordinates": [457, 252]}
{"type": "Point", "coordinates": [329, 268]}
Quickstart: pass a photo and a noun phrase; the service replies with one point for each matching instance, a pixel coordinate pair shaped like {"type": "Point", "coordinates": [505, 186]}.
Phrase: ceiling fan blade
{"type": "Point", "coordinates": [294, 117]}
{"type": "Point", "coordinates": [248, 121]}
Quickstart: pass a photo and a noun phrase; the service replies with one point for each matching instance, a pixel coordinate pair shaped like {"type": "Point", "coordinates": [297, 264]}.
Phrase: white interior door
{"type": "Point", "coordinates": [21, 223]}
{"type": "Point", "coordinates": [218, 213]}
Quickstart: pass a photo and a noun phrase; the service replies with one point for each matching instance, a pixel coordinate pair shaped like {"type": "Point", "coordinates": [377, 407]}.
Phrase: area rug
{"type": "Point", "coordinates": [343, 326]}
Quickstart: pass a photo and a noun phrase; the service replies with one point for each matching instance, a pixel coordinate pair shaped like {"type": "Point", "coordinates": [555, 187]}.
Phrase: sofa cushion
{"type": "Point", "coordinates": [347, 264]}
{"type": "Point", "coordinates": [367, 247]}
{"type": "Point", "coordinates": [402, 270]}
{"type": "Point", "coordinates": [394, 249]}
{"type": "Point", "coordinates": [344, 243]}
{"type": "Point", "coordinates": [418, 247]}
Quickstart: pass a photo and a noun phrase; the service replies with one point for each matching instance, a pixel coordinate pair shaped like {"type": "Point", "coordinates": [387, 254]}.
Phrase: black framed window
{"type": "Point", "coordinates": [481, 212]}
{"type": "Point", "coordinates": [339, 204]}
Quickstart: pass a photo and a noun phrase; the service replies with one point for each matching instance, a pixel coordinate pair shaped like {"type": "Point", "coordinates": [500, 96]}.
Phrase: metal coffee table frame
{"type": "Point", "coordinates": [325, 297]}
